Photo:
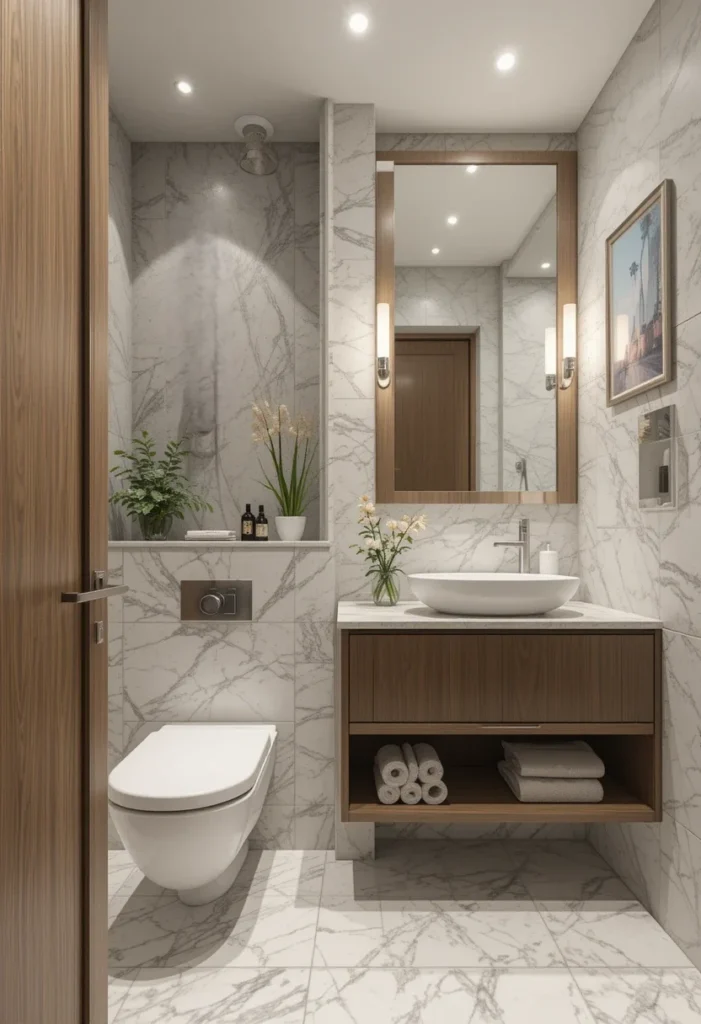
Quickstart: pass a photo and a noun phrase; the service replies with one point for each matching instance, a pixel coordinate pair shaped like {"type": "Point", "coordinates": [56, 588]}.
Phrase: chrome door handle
{"type": "Point", "coordinates": [99, 593]}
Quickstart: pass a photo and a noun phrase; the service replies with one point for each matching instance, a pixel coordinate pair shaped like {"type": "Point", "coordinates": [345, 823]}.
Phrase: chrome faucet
{"type": "Point", "coordinates": [523, 544]}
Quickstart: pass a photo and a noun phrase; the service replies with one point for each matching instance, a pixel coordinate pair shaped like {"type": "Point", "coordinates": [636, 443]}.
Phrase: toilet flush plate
{"type": "Point", "coordinates": [216, 600]}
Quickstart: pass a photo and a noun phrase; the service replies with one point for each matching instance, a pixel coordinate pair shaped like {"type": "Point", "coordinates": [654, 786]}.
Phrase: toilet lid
{"type": "Point", "coordinates": [185, 767]}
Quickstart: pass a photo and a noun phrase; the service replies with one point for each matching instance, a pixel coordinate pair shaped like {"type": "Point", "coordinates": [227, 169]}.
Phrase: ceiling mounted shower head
{"type": "Point", "coordinates": [258, 158]}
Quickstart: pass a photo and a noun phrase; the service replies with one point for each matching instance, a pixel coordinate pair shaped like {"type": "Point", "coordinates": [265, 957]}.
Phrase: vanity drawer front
{"type": "Point", "coordinates": [425, 677]}
{"type": "Point", "coordinates": [578, 677]}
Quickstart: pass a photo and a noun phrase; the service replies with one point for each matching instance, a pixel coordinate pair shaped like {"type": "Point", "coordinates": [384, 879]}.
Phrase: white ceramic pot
{"type": "Point", "coordinates": [290, 527]}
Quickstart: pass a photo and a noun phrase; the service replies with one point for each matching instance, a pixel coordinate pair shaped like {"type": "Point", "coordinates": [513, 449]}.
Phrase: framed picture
{"type": "Point", "coordinates": [639, 299]}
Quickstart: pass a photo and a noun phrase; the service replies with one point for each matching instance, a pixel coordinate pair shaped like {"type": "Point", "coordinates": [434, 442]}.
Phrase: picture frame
{"type": "Point", "coordinates": [639, 323]}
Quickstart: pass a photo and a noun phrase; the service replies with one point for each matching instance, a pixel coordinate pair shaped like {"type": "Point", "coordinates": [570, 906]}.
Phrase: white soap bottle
{"type": "Point", "coordinates": [548, 561]}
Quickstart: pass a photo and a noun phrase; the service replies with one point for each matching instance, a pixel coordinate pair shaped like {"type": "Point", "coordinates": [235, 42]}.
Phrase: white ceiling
{"type": "Point", "coordinates": [427, 65]}
{"type": "Point", "coordinates": [496, 208]}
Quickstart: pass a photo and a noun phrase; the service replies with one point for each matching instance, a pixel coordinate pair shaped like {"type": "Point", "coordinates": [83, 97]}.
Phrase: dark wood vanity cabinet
{"type": "Point", "coordinates": [501, 677]}
{"type": "Point", "coordinates": [467, 691]}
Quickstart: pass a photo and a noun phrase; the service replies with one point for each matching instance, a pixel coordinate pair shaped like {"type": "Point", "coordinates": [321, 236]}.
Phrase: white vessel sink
{"type": "Point", "coordinates": [492, 593]}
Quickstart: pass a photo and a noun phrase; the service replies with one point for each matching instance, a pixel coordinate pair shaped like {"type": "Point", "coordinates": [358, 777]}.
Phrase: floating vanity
{"type": "Point", "coordinates": [465, 684]}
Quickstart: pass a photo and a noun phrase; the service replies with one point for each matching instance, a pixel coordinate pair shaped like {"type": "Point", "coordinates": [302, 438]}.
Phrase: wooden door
{"type": "Point", "coordinates": [434, 415]}
{"type": "Point", "coordinates": [52, 349]}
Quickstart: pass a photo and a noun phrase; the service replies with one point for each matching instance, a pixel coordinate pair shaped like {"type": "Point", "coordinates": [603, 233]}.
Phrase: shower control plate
{"type": "Point", "coordinates": [216, 600]}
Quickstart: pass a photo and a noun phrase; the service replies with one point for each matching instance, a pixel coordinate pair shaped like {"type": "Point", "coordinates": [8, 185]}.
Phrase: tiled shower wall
{"type": "Point", "coordinates": [645, 127]}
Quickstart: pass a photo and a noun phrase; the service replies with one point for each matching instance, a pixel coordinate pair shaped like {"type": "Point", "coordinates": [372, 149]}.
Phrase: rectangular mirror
{"type": "Point", "coordinates": [476, 285]}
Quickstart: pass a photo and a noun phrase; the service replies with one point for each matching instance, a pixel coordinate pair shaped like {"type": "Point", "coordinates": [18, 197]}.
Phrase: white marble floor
{"type": "Point", "coordinates": [429, 933]}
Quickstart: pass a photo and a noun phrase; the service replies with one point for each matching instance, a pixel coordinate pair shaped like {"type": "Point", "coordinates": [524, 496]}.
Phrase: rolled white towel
{"type": "Point", "coordinates": [411, 763]}
{"type": "Point", "coordinates": [385, 794]}
{"type": "Point", "coordinates": [434, 792]}
{"type": "Point", "coordinates": [410, 793]}
{"type": "Point", "coordinates": [392, 766]}
{"type": "Point", "coordinates": [557, 759]}
{"type": "Point", "coordinates": [430, 767]}
{"type": "Point", "coordinates": [210, 535]}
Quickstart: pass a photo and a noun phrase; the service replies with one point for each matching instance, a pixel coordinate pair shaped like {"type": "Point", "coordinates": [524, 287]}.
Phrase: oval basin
{"type": "Point", "coordinates": [492, 593]}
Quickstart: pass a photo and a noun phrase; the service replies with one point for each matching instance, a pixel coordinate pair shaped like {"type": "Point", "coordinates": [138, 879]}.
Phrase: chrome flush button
{"type": "Point", "coordinates": [216, 600]}
{"type": "Point", "coordinates": [211, 603]}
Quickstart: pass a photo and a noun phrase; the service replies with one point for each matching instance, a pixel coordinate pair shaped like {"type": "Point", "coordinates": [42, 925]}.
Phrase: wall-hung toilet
{"type": "Point", "coordinates": [185, 800]}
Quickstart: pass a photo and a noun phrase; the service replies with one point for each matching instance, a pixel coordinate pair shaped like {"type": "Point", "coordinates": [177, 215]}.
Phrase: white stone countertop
{"type": "Point", "coordinates": [414, 615]}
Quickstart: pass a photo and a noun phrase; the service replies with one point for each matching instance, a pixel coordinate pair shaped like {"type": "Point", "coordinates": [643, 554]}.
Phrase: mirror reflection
{"type": "Point", "coordinates": [475, 319]}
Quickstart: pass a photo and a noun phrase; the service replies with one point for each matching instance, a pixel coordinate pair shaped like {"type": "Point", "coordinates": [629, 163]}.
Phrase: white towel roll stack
{"type": "Point", "coordinates": [434, 792]}
{"type": "Point", "coordinates": [385, 794]}
{"type": "Point", "coordinates": [411, 762]}
{"type": "Point", "coordinates": [393, 769]}
{"type": "Point", "coordinates": [410, 793]}
{"type": "Point", "coordinates": [430, 767]}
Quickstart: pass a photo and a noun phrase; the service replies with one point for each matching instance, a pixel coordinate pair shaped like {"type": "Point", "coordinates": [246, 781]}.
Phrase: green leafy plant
{"type": "Point", "coordinates": [275, 428]}
{"type": "Point", "coordinates": [156, 489]}
{"type": "Point", "coordinates": [382, 549]}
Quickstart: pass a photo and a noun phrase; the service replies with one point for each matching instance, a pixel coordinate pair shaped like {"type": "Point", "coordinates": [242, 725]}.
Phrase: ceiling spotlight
{"type": "Point", "coordinates": [545, 266]}
{"type": "Point", "coordinates": [506, 62]}
{"type": "Point", "coordinates": [184, 87]}
{"type": "Point", "coordinates": [358, 23]}
{"type": "Point", "coordinates": [435, 252]}
{"type": "Point", "coordinates": [452, 220]}
{"type": "Point", "coordinates": [471, 168]}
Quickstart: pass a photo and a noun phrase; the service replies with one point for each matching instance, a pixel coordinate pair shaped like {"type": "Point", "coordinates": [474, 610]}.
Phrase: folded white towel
{"type": "Point", "coordinates": [430, 767]}
{"type": "Point", "coordinates": [393, 769]}
{"type": "Point", "coordinates": [434, 792]}
{"type": "Point", "coordinates": [210, 535]}
{"type": "Point", "coordinates": [411, 763]}
{"type": "Point", "coordinates": [410, 793]}
{"type": "Point", "coordinates": [551, 791]}
{"type": "Point", "coordinates": [385, 794]}
{"type": "Point", "coordinates": [561, 759]}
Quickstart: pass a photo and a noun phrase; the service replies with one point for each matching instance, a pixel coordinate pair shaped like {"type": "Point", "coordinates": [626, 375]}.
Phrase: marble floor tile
{"type": "Point", "coordinates": [641, 996]}
{"type": "Point", "coordinates": [229, 996]}
{"type": "Point", "coordinates": [439, 996]}
{"type": "Point", "coordinates": [349, 932]}
{"type": "Point", "coordinates": [400, 870]}
{"type": "Point", "coordinates": [282, 873]}
{"type": "Point", "coordinates": [143, 929]}
{"type": "Point", "coordinates": [616, 935]}
{"type": "Point", "coordinates": [566, 872]}
{"type": "Point", "coordinates": [253, 931]}
{"type": "Point", "coordinates": [119, 983]}
{"type": "Point", "coordinates": [120, 868]}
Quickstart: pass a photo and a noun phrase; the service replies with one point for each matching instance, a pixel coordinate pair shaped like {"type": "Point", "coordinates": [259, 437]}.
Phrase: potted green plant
{"type": "Point", "coordinates": [382, 549]}
{"type": "Point", "coordinates": [289, 441]}
{"type": "Point", "coordinates": [156, 489]}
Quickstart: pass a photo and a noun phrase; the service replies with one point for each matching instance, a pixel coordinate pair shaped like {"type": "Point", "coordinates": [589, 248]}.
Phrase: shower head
{"type": "Point", "coordinates": [258, 158]}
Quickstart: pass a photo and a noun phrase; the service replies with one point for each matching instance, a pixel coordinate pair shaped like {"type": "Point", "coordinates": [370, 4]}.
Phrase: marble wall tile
{"type": "Point", "coordinates": [354, 181]}
{"type": "Point", "coordinates": [680, 557]}
{"type": "Point", "coordinates": [509, 140]}
{"type": "Point", "coordinates": [352, 326]}
{"type": "Point", "coordinates": [682, 730]}
{"type": "Point", "coordinates": [394, 140]}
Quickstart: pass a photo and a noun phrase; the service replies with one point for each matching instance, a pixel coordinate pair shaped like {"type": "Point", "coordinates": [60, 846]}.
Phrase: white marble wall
{"type": "Point", "coordinates": [529, 306]}
{"type": "Point", "coordinates": [644, 127]}
{"type": "Point", "coordinates": [226, 307]}
{"type": "Point", "coordinates": [120, 306]}
{"type": "Point", "coordinates": [465, 297]}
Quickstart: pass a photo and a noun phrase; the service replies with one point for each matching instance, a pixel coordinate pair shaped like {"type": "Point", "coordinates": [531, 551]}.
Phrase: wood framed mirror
{"type": "Point", "coordinates": [476, 285]}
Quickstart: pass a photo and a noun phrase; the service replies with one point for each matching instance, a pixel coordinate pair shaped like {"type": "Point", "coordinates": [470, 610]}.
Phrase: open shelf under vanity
{"type": "Point", "coordinates": [474, 690]}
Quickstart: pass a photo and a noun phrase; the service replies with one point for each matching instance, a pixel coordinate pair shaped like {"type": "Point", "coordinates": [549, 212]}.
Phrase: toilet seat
{"type": "Point", "coordinates": [190, 767]}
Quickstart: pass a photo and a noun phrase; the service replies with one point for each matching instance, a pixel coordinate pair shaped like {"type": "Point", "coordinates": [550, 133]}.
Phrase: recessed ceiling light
{"type": "Point", "coordinates": [184, 87]}
{"type": "Point", "coordinates": [471, 168]}
{"type": "Point", "coordinates": [545, 266]}
{"type": "Point", "coordinates": [435, 251]}
{"type": "Point", "coordinates": [358, 23]}
{"type": "Point", "coordinates": [506, 61]}
{"type": "Point", "coordinates": [452, 220]}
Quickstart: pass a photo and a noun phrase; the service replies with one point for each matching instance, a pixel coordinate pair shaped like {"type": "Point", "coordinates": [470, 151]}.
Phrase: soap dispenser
{"type": "Point", "coordinates": [548, 561]}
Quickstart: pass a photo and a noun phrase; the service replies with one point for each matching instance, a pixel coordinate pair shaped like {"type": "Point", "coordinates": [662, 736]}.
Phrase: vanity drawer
{"type": "Point", "coordinates": [510, 677]}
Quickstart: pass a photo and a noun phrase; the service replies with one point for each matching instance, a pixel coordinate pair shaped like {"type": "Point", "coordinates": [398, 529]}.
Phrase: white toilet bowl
{"type": "Point", "coordinates": [185, 800]}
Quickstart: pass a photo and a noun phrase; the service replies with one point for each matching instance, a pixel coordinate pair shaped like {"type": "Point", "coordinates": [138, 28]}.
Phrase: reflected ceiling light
{"type": "Point", "coordinates": [435, 251]}
{"type": "Point", "coordinates": [545, 266]}
{"type": "Point", "coordinates": [506, 61]}
{"type": "Point", "coordinates": [184, 87]}
{"type": "Point", "coordinates": [471, 168]}
{"type": "Point", "coordinates": [452, 220]}
{"type": "Point", "coordinates": [358, 23]}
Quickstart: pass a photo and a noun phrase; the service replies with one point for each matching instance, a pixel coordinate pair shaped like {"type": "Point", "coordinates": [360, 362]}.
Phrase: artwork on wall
{"type": "Point", "coordinates": [639, 299]}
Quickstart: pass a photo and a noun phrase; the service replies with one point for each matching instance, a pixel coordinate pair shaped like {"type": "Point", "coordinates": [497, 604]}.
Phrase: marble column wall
{"type": "Point", "coordinates": [644, 127]}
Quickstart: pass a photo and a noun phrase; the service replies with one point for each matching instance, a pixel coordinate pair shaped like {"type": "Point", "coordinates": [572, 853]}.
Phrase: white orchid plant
{"type": "Point", "coordinates": [382, 547]}
{"type": "Point", "coordinates": [290, 442]}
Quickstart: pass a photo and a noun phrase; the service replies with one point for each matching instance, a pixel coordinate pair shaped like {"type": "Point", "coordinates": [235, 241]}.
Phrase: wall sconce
{"type": "Point", "coordinates": [550, 358]}
{"type": "Point", "coordinates": [382, 327]}
{"type": "Point", "coordinates": [569, 343]}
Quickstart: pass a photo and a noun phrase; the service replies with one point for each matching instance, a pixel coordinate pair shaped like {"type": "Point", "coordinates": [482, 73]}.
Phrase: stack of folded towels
{"type": "Point", "coordinates": [410, 774]}
{"type": "Point", "coordinates": [210, 535]}
{"type": "Point", "coordinates": [561, 772]}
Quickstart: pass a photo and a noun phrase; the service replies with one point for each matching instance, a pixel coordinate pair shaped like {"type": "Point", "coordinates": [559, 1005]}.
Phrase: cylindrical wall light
{"type": "Point", "coordinates": [569, 343]}
{"type": "Point", "coordinates": [550, 358]}
{"type": "Point", "coordinates": [383, 328]}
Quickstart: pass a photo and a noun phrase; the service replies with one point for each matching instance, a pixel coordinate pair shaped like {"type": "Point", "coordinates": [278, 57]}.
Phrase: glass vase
{"type": "Point", "coordinates": [385, 588]}
{"type": "Point", "coordinates": [155, 527]}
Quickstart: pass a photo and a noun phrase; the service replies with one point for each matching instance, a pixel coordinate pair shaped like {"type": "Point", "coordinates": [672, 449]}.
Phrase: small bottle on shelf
{"type": "Point", "coordinates": [248, 525]}
{"type": "Point", "coordinates": [261, 527]}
